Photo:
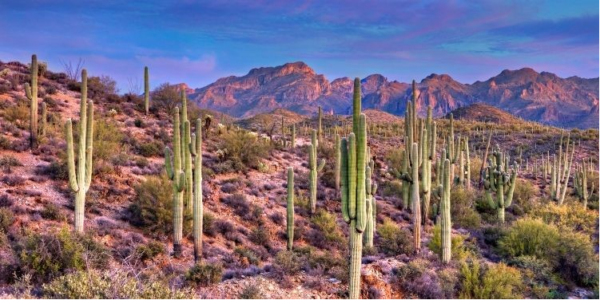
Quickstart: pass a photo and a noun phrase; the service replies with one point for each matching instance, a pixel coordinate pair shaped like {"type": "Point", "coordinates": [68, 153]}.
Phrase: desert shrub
{"type": "Point", "coordinates": [107, 139]}
{"type": "Point", "coordinates": [458, 249]}
{"type": "Point", "coordinates": [139, 123]}
{"type": "Point", "coordinates": [95, 285]}
{"type": "Point", "coordinates": [575, 258]}
{"type": "Point", "coordinates": [391, 188]}
{"type": "Point", "coordinates": [494, 282]}
{"type": "Point", "coordinates": [208, 224]}
{"type": "Point", "coordinates": [393, 240]}
{"type": "Point", "coordinates": [153, 205]}
{"type": "Point", "coordinates": [52, 212]}
{"type": "Point", "coordinates": [13, 180]}
{"type": "Point", "coordinates": [150, 250]}
{"type": "Point", "coordinates": [574, 217]}
{"type": "Point", "coordinates": [4, 143]}
{"type": "Point", "coordinates": [165, 98]}
{"type": "Point", "coordinates": [326, 224]}
{"type": "Point", "coordinates": [150, 149]}
{"type": "Point", "coordinates": [7, 162]}
{"type": "Point", "coordinates": [528, 237]}
{"type": "Point", "coordinates": [243, 149]}
{"type": "Point", "coordinates": [250, 291]}
{"type": "Point", "coordinates": [205, 274]}
{"type": "Point", "coordinates": [247, 256]}
{"type": "Point", "coordinates": [18, 114]}
{"type": "Point", "coordinates": [239, 204]}
{"type": "Point", "coordinates": [419, 279]}
{"type": "Point", "coordinates": [462, 208]}
{"type": "Point", "coordinates": [57, 170]}
{"type": "Point", "coordinates": [536, 273]}
{"type": "Point", "coordinates": [101, 86]}
{"type": "Point", "coordinates": [288, 262]}
{"type": "Point", "coordinates": [524, 193]}
{"type": "Point", "coordinates": [6, 219]}
{"type": "Point", "coordinates": [48, 255]}
{"type": "Point", "coordinates": [260, 236]}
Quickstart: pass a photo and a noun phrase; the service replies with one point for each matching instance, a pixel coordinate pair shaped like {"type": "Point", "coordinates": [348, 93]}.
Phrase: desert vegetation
{"type": "Point", "coordinates": [148, 196]}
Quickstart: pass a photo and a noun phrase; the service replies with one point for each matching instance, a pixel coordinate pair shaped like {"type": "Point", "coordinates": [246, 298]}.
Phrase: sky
{"type": "Point", "coordinates": [197, 42]}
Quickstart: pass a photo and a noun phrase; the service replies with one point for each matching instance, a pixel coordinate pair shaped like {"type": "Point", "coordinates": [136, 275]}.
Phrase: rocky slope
{"type": "Point", "coordinates": [542, 97]}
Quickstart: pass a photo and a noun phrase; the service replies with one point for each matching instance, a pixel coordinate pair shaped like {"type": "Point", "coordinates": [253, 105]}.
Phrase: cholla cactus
{"type": "Point", "coordinates": [80, 181]}
{"type": "Point", "coordinates": [499, 181]}
{"type": "Point", "coordinates": [31, 91]}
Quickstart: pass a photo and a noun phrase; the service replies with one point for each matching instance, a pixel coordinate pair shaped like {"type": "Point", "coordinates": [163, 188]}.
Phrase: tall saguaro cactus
{"type": "Point", "coordinates": [31, 91]}
{"type": "Point", "coordinates": [338, 161]}
{"type": "Point", "coordinates": [80, 181]}
{"type": "Point", "coordinates": [580, 183]}
{"type": "Point", "coordinates": [415, 198]}
{"type": "Point", "coordinates": [290, 208]}
{"type": "Point", "coordinates": [44, 119]}
{"type": "Point", "coordinates": [446, 226]}
{"type": "Point", "coordinates": [177, 176]}
{"type": "Point", "coordinates": [314, 170]}
{"type": "Point", "coordinates": [320, 128]}
{"type": "Point", "coordinates": [371, 189]}
{"type": "Point", "coordinates": [146, 90]}
{"type": "Point", "coordinates": [198, 210]}
{"type": "Point", "coordinates": [353, 189]}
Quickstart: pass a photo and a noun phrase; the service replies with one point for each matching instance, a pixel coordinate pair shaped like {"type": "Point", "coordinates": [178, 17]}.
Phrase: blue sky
{"type": "Point", "coordinates": [197, 42]}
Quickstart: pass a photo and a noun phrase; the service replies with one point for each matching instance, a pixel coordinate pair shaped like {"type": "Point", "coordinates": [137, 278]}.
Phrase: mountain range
{"type": "Point", "coordinates": [542, 97]}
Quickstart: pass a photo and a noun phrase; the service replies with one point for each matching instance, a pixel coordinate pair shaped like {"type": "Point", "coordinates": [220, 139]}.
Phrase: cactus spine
{"type": "Point", "coordinates": [354, 208]}
{"type": "Point", "coordinates": [80, 181]}
{"type": "Point", "coordinates": [177, 176]}
{"type": "Point", "coordinates": [146, 91]}
{"type": "Point", "coordinates": [290, 208]}
{"type": "Point", "coordinates": [198, 210]}
{"type": "Point", "coordinates": [314, 171]}
{"type": "Point", "coordinates": [31, 91]}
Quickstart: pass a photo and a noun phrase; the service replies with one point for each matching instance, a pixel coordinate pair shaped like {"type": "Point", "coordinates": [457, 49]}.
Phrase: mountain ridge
{"type": "Point", "coordinates": [536, 96]}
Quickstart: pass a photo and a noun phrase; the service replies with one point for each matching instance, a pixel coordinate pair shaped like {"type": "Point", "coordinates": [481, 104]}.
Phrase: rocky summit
{"type": "Point", "coordinates": [542, 97]}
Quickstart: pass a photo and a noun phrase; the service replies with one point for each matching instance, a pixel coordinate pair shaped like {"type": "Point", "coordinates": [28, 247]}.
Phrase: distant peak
{"type": "Point", "coordinates": [374, 78]}
{"type": "Point", "coordinates": [522, 71]}
{"type": "Point", "coordinates": [438, 77]}
{"type": "Point", "coordinates": [288, 68]}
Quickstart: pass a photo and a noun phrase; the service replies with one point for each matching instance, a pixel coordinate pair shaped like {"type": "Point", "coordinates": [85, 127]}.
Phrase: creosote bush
{"type": "Point", "coordinates": [493, 282]}
{"type": "Point", "coordinates": [243, 149]}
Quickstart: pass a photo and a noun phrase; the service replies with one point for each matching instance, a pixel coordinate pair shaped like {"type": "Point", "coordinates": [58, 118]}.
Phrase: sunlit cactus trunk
{"type": "Point", "coordinates": [290, 208]}
{"type": "Point", "coordinates": [31, 91]}
{"type": "Point", "coordinates": [198, 210]}
{"type": "Point", "coordinates": [80, 180]}
{"type": "Point", "coordinates": [314, 170]}
{"type": "Point", "coordinates": [173, 166]}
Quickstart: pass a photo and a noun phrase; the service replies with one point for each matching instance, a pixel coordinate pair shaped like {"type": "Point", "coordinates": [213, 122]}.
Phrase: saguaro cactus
{"type": "Point", "coordinates": [146, 90]}
{"type": "Point", "coordinates": [320, 129]}
{"type": "Point", "coordinates": [561, 171]}
{"type": "Point", "coordinates": [446, 223]}
{"type": "Point", "coordinates": [44, 119]}
{"type": "Point", "coordinates": [177, 177]}
{"type": "Point", "coordinates": [580, 184]}
{"type": "Point", "coordinates": [497, 180]}
{"type": "Point", "coordinates": [371, 189]}
{"type": "Point", "coordinates": [31, 91]}
{"type": "Point", "coordinates": [338, 161]}
{"type": "Point", "coordinates": [290, 208]}
{"type": "Point", "coordinates": [80, 181]}
{"type": "Point", "coordinates": [314, 171]}
{"type": "Point", "coordinates": [415, 198]}
{"type": "Point", "coordinates": [293, 142]}
{"type": "Point", "coordinates": [198, 210]}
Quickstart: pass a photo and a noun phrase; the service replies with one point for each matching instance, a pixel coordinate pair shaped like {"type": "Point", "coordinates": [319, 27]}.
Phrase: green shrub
{"type": "Point", "coordinates": [462, 208]}
{"type": "Point", "coordinates": [494, 282]}
{"type": "Point", "coordinates": [250, 291]}
{"type": "Point", "coordinates": [108, 139]}
{"type": "Point", "coordinates": [205, 274]}
{"type": "Point", "coordinates": [393, 240]}
{"type": "Point", "coordinates": [391, 188]}
{"type": "Point", "coordinates": [95, 285]}
{"type": "Point", "coordinates": [524, 193]}
{"type": "Point", "coordinates": [18, 114]}
{"type": "Point", "coordinates": [260, 236]}
{"type": "Point", "coordinates": [459, 252]}
{"type": "Point", "coordinates": [528, 237]}
{"type": "Point", "coordinates": [326, 223]}
{"type": "Point", "coordinates": [243, 149]}
{"type": "Point", "coordinates": [6, 219]}
{"type": "Point", "coordinates": [151, 149]}
{"type": "Point", "coordinates": [247, 256]}
{"type": "Point", "coordinates": [575, 258]}
{"type": "Point", "coordinates": [289, 262]}
{"type": "Point", "coordinates": [150, 250]}
{"type": "Point", "coordinates": [48, 255]}
{"type": "Point", "coordinates": [152, 206]}
{"type": "Point", "coordinates": [52, 212]}
{"type": "Point", "coordinates": [574, 217]}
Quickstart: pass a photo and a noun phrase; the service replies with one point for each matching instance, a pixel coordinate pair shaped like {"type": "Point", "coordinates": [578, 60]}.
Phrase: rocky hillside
{"type": "Point", "coordinates": [542, 97]}
{"type": "Point", "coordinates": [484, 113]}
